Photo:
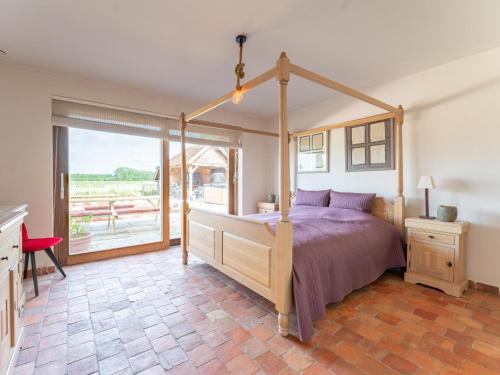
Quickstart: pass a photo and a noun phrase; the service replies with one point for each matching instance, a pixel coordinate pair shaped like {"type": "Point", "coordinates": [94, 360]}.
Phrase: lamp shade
{"type": "Point", "coordinates": [426, 182]}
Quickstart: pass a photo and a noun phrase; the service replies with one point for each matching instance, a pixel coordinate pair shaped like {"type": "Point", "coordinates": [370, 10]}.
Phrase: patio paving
{"type": "Point", "coordinates": [130, 231]}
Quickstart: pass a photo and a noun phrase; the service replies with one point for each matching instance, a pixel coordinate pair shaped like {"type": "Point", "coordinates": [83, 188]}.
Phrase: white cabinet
{"type": "Point", "coordinates": [11, 285]}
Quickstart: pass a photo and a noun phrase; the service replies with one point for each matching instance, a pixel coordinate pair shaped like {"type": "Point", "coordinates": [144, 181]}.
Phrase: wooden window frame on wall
{"type": "Point", "coordinates": [61, 207]}
{"type": "Point", "coordinates": [60, 200]}
{"type": "Point", "coordinates": [233, 181]}
{"type": "Point", "coordinates": [388, 142]}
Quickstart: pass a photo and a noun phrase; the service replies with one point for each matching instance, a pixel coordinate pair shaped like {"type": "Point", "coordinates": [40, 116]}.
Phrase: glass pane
{"type": "Point", "coordinates": [317, 142]}
{"type": "Point", "coordinates": [207, 177]}
{"type": "Point", "coordinates": [377, 154]}
{"type": "Point", "coordinates": [305, 143]}
{"type": "Point", "coordinates": [358, 156]}
{"type": "Point", "coordinates": [358, 135]}
{"type": "Point", "coordinates": [311, 162]}
{"type": "Point", "coordinates": [114, 190]}
{"type": "Point", "coordinates": [377, 132]}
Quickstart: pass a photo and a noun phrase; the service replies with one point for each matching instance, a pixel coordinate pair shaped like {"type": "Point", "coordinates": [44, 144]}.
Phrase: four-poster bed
{"type": "Point", "coordinates": [251, 251]}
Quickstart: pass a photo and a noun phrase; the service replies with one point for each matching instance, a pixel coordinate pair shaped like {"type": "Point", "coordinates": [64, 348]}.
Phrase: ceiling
{"type": "Point", "coordinates": [187, 48]}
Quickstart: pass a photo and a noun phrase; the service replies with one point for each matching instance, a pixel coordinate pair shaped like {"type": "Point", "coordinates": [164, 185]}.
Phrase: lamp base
{"type": "Point", "coordinates": [427, 217]}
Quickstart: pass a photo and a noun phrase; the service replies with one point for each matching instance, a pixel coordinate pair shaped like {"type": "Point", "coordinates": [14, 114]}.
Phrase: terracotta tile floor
{"type": "Point", "coordinates": [148, 314]}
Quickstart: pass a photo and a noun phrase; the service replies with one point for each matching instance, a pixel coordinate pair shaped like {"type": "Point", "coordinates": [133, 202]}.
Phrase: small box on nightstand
{"type": "Point", "coordinates": [436, 254]}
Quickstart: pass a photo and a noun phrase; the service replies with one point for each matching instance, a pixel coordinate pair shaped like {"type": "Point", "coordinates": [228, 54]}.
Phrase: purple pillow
{"type": "Point", "coordinates": [319, 198]}
{"type": "Point", "coordinates": [352, 201]}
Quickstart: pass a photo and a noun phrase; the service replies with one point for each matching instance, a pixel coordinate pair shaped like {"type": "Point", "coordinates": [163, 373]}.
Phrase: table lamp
{"type": "Point", "coordinates": [426, 182]}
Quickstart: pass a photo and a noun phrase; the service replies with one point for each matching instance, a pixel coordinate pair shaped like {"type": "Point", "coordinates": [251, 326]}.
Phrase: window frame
{"type": "Point", "coordinates": [388, 142]}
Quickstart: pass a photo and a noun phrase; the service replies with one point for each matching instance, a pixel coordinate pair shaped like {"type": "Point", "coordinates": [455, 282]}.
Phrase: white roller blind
{"type": "Point", "coordinates": [93, 117]}
{"type": "Point", "coordinates": [85, 116]}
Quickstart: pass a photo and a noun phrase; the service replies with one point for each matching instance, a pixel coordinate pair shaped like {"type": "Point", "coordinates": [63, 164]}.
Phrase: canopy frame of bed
{"type": "Point", "coordinates": [246, 249]}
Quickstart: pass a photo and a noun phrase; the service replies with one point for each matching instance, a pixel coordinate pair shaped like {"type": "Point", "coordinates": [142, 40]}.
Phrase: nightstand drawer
{"type": "Point", "coordinates": [265, 207]}
{"type": "Point", "coordinates": [433, 237]}
{"type": "Point", "coordinates": [432, 260]}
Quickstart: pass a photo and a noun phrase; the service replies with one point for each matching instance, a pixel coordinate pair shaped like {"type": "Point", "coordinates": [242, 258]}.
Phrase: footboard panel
{"type": "Point", "coordinates": [250, 258]}
{"type": "Point", "coordinates": [202, 238]}
{"type": "Point", "coordinates": [242, 248]}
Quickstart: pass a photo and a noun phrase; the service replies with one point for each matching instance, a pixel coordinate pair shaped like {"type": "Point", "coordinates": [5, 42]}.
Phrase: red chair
{"type": "Point", "coordinates": [32, 245]}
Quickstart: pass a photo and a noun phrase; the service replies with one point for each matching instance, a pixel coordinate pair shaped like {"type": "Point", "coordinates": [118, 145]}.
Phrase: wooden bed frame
{"type": "Point", "coordinates": [246, 249]}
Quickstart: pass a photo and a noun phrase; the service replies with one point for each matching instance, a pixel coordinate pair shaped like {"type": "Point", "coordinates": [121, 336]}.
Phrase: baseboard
{"type": "Point", "coordinates": [484, 287]}
{"type": "Point", "coordinates": [45, 270]}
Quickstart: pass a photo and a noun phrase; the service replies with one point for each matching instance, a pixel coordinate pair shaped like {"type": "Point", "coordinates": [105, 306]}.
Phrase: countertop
{"type": "Point", "coordinates": [9, 214]}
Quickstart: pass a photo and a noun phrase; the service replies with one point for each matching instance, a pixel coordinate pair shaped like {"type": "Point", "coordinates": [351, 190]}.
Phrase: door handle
{"type": "Point", "coordinates": [62, 186]}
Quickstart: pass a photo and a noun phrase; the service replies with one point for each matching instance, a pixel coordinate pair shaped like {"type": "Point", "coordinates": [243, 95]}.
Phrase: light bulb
{"type": "Point", "coordinates": [237, 96]}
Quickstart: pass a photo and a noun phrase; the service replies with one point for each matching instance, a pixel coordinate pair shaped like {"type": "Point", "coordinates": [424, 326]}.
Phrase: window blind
{"type": "Point", "coordinates": [93, 117]}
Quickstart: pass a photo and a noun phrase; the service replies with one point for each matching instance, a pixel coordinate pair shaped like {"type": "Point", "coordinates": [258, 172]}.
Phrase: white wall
{"type": "Point", "coordinates": [451, 131]}
{"type": "Point", "coordinates": [26, 136]}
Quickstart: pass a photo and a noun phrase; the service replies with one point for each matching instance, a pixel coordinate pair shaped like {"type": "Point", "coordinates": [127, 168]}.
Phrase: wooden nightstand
{"type": "Point", "coordinates": [265, 207]}
{"type": "Point", "coordinates": [436, 254]}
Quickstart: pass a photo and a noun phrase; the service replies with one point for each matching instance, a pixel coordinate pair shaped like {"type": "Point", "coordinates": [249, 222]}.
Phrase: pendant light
{"type": "Point", "coordinates": [238, 70]}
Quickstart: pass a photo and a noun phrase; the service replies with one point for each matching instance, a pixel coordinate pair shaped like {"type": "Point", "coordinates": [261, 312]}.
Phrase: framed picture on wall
{"type": "Point", "coordinates": [370, 147]}
{"type": "Point", "coordinates": [312, 153]}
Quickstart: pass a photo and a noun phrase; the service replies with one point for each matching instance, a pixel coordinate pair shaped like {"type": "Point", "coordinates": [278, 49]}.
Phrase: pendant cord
{"type": "Point", "coordinates": [238, 70]}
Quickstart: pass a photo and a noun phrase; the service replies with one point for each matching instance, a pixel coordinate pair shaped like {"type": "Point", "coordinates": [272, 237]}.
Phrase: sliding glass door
{"type": "Point", "coordinates": [115, 195]}
{"type": "Point", "coordinates": [117, 177]}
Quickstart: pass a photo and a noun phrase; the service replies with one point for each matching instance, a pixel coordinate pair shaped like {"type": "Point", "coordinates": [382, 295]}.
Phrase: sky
{"type": "Point", "coordinates": [101, 152]}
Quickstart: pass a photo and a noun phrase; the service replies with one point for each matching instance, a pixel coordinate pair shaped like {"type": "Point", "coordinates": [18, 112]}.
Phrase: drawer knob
{"type": "Point", "coordinates": [449, 264]}
{"type": "Point", "coordinates": [15, 247]}
{"type": "Point", "coordinates": [4, 258]}
{"type": "Point", "coordinates": [431, 237]}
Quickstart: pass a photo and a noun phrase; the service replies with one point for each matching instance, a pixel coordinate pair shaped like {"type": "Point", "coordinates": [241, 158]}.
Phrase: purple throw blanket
{"type": "Point", "coordinates": [335, 251]}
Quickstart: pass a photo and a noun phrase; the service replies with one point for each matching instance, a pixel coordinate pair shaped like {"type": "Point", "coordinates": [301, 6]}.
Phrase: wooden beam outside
{"type": "Point", "coordinates": [360, 121]}
{"type": "Point", "coordinates": [217, 125]}
{"type": "Point", "coordinates": [266, 76]}
{"type": "Point", "coordinates": [314, 77]}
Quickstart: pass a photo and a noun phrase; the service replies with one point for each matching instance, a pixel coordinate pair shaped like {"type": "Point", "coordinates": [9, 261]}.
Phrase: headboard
{"type": "Point", "coordinates": [383, 209]}
{"type": "Point", "coordinates": [390, 212]}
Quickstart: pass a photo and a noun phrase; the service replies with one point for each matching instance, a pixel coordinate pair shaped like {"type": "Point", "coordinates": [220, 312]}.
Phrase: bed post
{"type": "Point", "coordinates": [399, 201]}
{"type": "Point", "coordinates": [184, 207]}
{"type": "Point", "coordinates": [283, 258]}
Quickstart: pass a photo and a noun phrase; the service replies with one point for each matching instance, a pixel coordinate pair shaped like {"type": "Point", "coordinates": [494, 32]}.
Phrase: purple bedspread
{"type": "Point", "coordinates": [335, 251]}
